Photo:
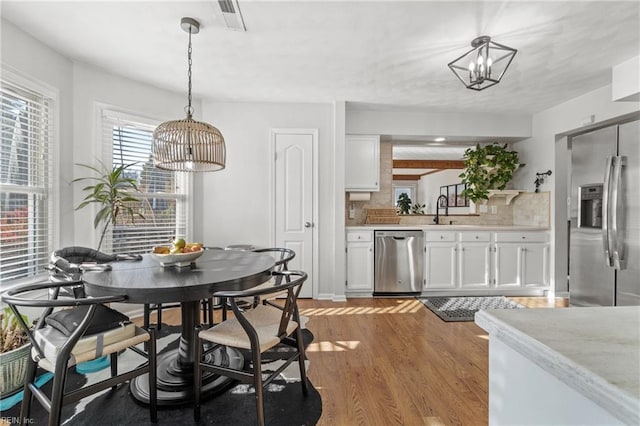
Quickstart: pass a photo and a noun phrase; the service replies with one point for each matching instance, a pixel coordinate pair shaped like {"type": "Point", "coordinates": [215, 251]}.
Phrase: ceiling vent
{"type": "Point", "coordinates": [231, 14]}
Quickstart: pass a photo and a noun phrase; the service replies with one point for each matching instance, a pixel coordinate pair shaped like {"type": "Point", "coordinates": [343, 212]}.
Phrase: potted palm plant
{"type": "Point", "coordinates": [14, 352]}
{"type": "Point", "coordinates": [112, 192]}
{"type": "Point", "coordinates": [487, 168]}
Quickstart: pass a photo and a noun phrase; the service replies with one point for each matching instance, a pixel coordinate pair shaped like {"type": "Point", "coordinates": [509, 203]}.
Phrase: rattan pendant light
{"type": "Point", "coordinates": [188, 145]}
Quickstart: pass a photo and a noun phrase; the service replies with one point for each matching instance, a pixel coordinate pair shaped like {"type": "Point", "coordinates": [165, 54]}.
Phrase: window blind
{"type": "Point", "coordinates": [162, 200]}
{"type": "Point", "coordinates": [26, 142]}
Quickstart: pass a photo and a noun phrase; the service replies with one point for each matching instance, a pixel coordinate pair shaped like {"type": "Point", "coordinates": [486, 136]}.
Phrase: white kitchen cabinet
{"type": "Point", "coordinates": [535, 265]}
{"type": "Point", "coordinates": [457, 260]}
{"type": "Point", "coordinates": [360, 261]}
{"type": "Point", "coordinates": [474, 265]}
{"type": "Point", "coordinates": [441, 263]}
{"type": "Point", "coordinates": [362, 163]}
{"type": "Point", "coordinates": [507, 265]}
{"type": "Point", "coordinates": [521, 260]}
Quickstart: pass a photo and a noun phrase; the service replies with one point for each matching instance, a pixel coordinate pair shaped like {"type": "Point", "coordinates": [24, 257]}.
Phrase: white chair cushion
{"type": "Point", "coordinates": [265, 320]}
{"type": "Point", "coordinates": [88, 347]}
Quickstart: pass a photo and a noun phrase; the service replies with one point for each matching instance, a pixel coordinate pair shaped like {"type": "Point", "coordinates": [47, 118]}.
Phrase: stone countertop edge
{"type": "Point", "coordinates": [374, 227]}
{"type": "Point", "coordinates": [617, 401]}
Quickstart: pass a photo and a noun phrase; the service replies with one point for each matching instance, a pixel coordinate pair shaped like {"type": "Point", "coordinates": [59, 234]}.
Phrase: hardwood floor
{"type": "Point", "coordinates": [394, 362]}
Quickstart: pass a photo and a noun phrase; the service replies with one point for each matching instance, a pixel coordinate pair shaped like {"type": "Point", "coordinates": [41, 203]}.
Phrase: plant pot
{"type": "Point", "coordinates": [472, 207]}
{"type": "Point", "coordinates": [13, 369]}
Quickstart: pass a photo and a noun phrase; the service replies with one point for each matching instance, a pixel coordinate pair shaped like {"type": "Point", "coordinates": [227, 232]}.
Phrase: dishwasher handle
{"type": "Point", "coordinates": [399, 238]}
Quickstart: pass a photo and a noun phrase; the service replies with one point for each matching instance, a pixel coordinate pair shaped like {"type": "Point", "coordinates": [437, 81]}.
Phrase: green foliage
{"type": "Point", "coordinates": [404, 203]}
{"type": "Point", "coordinates": [111, 191]}
{"type": "Point", "coordinates": [417, 208]}
{"type": "Point", "coordinates": [12, 336]}
{"type": "Point", "coordinates": [486, 168]}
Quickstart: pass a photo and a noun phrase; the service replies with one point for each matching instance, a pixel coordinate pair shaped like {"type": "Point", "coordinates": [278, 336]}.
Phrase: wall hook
{"type": "Point", "coordinates": [540, 179]}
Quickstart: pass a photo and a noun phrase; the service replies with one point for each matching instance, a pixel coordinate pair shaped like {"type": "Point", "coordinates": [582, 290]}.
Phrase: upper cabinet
{"type": "Point", "coordinates": [362, 163]}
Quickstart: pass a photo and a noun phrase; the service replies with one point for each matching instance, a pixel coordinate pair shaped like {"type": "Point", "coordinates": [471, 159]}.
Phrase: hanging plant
{"type": "Point", "coordinates": [112, 193]}
{"type": "Point", "coordinates": [486, 168]}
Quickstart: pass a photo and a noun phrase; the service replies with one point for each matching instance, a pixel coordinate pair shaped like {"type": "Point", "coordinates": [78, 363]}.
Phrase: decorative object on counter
{"type": "Point", "coordinates": [540, 179]}
{"type": "Point", "coordinates": [188, 145]}
{"type": "Point", "coordinates": [404, 203]}
{"type": "Point", "coordinates": [487, 167]}
{"type": "Point", "coordinates": [112, 193]}
{"type": "Point", "coordinates": [452, 309]}
{"type": "Point", "coordinates": [382, 216]}
{"type": "Point", "coordinates": [484, 65]}
{"type": "Point", "coordinates": [417, 208]}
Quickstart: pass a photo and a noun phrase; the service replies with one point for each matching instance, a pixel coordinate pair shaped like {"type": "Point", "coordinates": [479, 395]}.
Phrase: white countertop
{"type": "Point", "coordinates": [593, 350]}
{"type": "Point", "coordinates": [375, 227]}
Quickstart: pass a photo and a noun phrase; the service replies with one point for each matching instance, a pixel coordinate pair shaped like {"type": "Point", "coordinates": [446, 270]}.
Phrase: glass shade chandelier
{"type": "Point", "coordinates": [484, 65]}
{"type": "Point", "coordinates": [188, 145]}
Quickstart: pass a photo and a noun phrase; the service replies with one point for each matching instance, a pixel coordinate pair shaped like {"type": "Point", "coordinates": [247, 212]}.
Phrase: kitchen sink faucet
{"type": "Point", "coordinates": [436, 219]}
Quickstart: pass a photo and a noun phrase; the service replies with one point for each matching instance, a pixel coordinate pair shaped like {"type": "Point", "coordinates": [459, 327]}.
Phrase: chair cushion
{"type": "Point", "coordinates": [104, 318]}
{"type": "Point", "coordinates": [51, 341]}
{"type": "Point", "coordinates": [265, 320]}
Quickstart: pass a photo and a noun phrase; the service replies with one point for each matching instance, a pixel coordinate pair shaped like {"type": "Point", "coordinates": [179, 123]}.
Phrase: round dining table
{"type": "Point", "coordinates": [147, 281]}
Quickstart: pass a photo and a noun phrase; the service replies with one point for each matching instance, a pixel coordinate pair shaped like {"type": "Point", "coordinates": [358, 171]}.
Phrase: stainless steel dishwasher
{"type": "Point", "coordinates": [399, 262]}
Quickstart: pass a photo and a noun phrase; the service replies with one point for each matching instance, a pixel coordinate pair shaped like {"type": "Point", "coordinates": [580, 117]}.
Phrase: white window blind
{"type": "Point", "coordinates": [26, 144]}
{"type": "Point", "coordinates": [163, 194]}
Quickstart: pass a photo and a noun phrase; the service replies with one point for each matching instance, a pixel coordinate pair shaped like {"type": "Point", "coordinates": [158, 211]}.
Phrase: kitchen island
{"type": "Point", "coordinates": [563, 366]}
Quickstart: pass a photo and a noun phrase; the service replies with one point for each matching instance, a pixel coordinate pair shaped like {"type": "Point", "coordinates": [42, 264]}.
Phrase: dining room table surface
{"type": "Point", "coordinates": [147, 281]}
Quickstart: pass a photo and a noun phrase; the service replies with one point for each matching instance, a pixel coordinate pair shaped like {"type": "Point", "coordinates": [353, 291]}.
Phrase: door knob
{"type": "Point", "coordinates": [308, 224]}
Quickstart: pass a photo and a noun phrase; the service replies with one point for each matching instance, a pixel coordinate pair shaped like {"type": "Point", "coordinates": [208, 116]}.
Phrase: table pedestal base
{"type": "Point", "coordinates": [175, 384]}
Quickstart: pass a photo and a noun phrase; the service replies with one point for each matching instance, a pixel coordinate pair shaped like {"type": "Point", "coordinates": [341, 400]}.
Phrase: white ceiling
{"type": "Point", "coordinates": [371, 54]}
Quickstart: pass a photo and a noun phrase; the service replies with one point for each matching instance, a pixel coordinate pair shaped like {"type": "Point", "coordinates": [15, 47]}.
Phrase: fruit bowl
{"type": "Point", "coordinates": [177, 259]}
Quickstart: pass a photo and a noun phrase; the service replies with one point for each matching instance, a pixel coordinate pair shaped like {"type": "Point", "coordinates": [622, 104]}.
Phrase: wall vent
{"type": "Point", "coordinates": [231, 13]}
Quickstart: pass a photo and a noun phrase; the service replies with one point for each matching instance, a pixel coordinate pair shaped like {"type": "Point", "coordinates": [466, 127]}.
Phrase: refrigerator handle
{"type": "Point", "coordinates": [605, 211]}
{"type": "Point", "coordinates": [618, 251]}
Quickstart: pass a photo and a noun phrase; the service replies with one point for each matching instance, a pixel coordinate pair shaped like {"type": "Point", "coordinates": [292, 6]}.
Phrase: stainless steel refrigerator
{"type": "Point", "coordinates": [604, 255]}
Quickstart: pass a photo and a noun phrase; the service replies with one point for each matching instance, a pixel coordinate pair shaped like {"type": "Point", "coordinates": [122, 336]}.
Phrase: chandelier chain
{"type": "Point", "coordinates": [189, 51]}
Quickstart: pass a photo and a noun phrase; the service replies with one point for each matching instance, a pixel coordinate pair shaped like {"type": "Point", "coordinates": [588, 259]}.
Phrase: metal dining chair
{"type": "Point", "coordinates": [83, 332]}
{"type": "Point", "coordinates": [258, 330]}
{"type": "Point", "coordinates": [282, 257]}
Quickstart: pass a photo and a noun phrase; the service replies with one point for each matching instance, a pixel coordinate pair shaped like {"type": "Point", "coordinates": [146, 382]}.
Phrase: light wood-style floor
{"type": "Point", "coordinates": [394, 362]}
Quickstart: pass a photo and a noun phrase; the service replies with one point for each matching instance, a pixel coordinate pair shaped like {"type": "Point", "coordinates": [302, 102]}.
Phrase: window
{"type": "Point", "coordinates": [162, 200]}
{"type": "Point", "coordinates": [26, 145]}
{"type": "Point", "coordinates": [409, 189]}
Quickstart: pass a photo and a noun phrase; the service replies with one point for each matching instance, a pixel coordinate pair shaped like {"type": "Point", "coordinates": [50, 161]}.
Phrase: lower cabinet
{"type": "Point", "coordinates": [475, 261]}
{"type": "Point", "coordinates": [440, 266]}
{"type": "Point", "coordinates": [461, 261]}
{"type": "Point", "coordinates": [360, 261]}
{"type": "Point", "coordinates": [471, 260]}
{"type": "Point", "coordinates": [521, 260]}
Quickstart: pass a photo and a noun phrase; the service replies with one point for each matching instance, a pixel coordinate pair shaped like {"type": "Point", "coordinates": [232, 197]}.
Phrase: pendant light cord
{"type": "Point", "coordinates": [189, 108]}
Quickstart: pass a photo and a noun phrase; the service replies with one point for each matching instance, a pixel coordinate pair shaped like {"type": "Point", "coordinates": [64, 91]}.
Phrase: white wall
{"type": "Point", "coordinates": [81, 88]}
{"type": "Point", "coordinates": [94, 88]}
{"type": "Point", "coordinates": [235, 204]}
{"type": "Point", "coordinates": [547, 150]}
{"type": "Point", "coordinates": [28, 57]}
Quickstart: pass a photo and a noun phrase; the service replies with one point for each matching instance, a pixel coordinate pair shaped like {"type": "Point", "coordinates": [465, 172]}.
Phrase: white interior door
{"type": "Point", "coordinates": [294, 198]}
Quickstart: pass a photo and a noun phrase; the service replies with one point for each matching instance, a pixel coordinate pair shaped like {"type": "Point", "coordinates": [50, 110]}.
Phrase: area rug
{"type": "Point", "coordinates": [284, 403]}
{"type": "Point", "coordinates": [464, 308]}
